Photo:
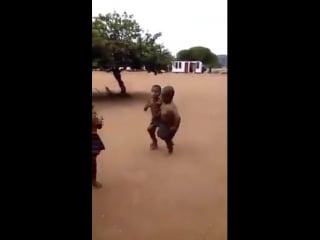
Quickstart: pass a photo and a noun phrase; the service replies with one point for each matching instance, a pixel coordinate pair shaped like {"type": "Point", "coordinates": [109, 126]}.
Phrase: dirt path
{"type": "Point", "coordinates": [148, 195]}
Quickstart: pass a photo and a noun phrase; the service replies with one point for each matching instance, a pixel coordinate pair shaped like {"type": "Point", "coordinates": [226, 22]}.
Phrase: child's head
{"type": "Point", "coordinates": [167, 94]}
{"type": "Point", "coordinates": [156, 91]}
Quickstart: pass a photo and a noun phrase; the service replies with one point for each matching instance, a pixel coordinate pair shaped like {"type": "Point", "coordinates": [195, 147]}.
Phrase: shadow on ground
{"type": "Point", "coordinates": [117, 97]}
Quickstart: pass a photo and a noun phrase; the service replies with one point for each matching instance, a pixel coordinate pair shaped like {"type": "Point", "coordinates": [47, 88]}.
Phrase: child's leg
{"type": "Point", "coordinates": [95, 183]}
{"type": "Point", "coordinates": [169, 141]}
{"type": "Point", "coordinates": [169, 145]}
{"type": "Point", "coordinates": [152, 133]}
{"type": "Point", "coordinates": [94, 168]}
{"type": "Point", "coordinates": [166, 134]}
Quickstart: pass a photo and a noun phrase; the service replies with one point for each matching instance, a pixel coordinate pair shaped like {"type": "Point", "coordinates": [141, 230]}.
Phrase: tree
{"type": "Point", "coordinates": [118, 42]}
{"type": "Point", "coordinates": [202, 54]}
{"type": "Point", "coordinates": [183, 55]}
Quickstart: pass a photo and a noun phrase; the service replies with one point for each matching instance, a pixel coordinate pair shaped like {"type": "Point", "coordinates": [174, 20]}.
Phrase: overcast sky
{"type": "Point", "coordinates": [183, 23]}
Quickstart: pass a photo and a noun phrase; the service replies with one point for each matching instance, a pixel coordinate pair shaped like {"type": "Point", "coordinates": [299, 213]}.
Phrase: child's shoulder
{"type": "Point", "coordinates": [169, 107]}
{"type": "Point", "coordinates": [172, 106]}
{"type": "Point", "coordinates": [174, 109]}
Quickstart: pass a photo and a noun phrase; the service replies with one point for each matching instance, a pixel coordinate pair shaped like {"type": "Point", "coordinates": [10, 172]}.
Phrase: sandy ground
{"type": "Point", "coordinates": [149, 195]}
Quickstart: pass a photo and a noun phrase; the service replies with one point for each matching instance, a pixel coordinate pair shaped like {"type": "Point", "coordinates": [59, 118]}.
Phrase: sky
{"type": "Point", "coordinates": [183, 23]}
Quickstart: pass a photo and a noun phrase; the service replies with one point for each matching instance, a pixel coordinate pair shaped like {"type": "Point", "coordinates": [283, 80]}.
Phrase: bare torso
{"type": "Point", "coordinates": [170, 114]}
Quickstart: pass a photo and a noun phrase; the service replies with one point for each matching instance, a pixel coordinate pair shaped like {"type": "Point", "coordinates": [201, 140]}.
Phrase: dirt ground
{"type": "Point", "coordinates": [150, 195]}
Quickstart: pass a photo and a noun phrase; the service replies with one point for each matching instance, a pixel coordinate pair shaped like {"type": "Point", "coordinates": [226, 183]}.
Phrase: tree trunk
{"type": "Point", "coordinates": [117, 74]}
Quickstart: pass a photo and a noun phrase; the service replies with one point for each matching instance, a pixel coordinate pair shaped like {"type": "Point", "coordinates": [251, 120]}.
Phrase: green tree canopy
{"type": "Point", "coordinates": [202, 54]}
{"type": "Point", "coordinates": [118, 42]}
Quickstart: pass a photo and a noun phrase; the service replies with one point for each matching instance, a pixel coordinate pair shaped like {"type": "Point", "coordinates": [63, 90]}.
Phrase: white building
{"type": "Point", "coordinates": [187, 67]}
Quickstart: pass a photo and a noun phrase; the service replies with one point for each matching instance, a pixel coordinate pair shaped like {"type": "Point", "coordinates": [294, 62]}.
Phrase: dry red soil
{"type": "Point", "coordinates": [150, 195]}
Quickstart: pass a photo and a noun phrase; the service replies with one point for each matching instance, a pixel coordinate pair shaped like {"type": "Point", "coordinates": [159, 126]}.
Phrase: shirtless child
{"type": "Point", "coordinates": [170, 118]}
{"type": "Point", "coordinates": [97, 146]}
{"type": "Point", "coordinates": [154, 103]}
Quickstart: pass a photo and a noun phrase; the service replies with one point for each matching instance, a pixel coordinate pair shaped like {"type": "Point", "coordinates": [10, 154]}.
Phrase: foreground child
{"type": "Point", "coordinates": [97, 146]}
{"type": "Point", "coordinates": [170, 118]}
{"type": "Point", "coordinates": [154, 104]}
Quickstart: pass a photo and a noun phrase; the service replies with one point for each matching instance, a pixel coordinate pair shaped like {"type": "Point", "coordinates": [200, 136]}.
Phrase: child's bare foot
{"type": "Point", "coordinates": [96, 184]}
{"type": "Point", "coordinates": [153, 146]}
{"type": "Point", "coordinates": [170, 147]}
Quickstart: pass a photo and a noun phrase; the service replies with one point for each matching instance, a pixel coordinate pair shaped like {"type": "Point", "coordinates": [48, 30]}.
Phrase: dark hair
{"type": "Point", "coordinates": [168, 93]}
{"type": "Point", "coordinates": [168, 90]}
{"type": "Point", "coordinates": [158, 87]}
